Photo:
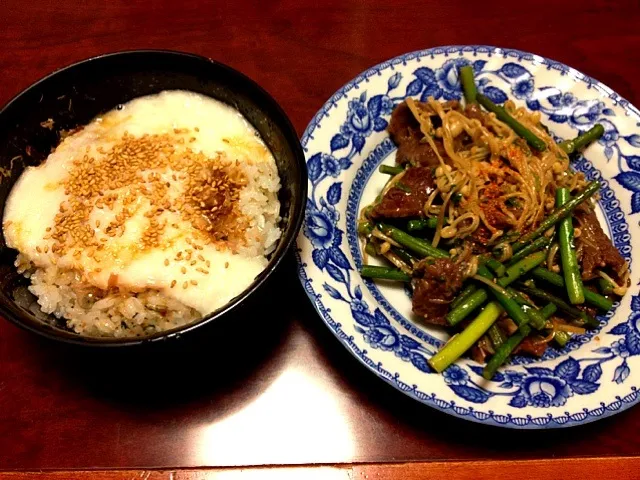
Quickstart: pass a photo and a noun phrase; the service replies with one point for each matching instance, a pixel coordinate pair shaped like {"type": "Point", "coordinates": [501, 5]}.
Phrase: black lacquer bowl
{"type": "Point", "coordinates": [74, 95]}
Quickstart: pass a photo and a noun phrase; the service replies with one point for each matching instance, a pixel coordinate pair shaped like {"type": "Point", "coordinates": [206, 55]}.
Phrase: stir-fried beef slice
{"type": "Point", "coordinates": [403, 124]}
{"type": "Point", "coordinates": [531, 346]}
{"type": "Point", "coordinates": [408, 196]}
{"type": "Point", "coordinates": [507, 325]}
{"type": "Point", "coordinates": [598, 251]}
{"type": "Point", "coordinates": [478, 354]}
{"type": "Point", "coordinates": [482, 349]}
{"type": "Point", "coordinates": [404, 130]}
{"type": "Point", "coordinates": [435, 284]}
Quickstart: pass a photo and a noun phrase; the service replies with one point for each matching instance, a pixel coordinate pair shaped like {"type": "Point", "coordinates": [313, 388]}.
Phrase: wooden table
{"type": "Point", "coordinates": [282, 392]}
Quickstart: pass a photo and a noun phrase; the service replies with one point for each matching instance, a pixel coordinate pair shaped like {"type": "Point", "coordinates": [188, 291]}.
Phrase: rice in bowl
{"type": "Point", "coordinates": [148, 218]}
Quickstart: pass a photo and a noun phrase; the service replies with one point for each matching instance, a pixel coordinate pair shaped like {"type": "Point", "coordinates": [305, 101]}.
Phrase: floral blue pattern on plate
{"type": "Point", "coordinates": [596, 374]}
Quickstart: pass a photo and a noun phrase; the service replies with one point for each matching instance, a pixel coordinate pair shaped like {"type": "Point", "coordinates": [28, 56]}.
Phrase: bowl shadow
{"type": "Point", "coordinates": [234, 360]}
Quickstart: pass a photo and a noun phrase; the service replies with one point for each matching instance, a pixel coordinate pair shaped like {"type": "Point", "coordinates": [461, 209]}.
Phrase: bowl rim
{"type": "Point", "coordinates": [294, 225]}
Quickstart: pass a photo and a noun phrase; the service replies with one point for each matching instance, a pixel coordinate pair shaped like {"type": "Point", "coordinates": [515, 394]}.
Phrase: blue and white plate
{"type": "Point", "coordinates": [598, 373]}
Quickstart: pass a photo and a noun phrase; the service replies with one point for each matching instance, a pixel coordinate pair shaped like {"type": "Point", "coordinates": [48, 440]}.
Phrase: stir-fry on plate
{"type": "Point", "coordinates": [481, 207]}
{"type": "Point", "coordinates": [459, 207]}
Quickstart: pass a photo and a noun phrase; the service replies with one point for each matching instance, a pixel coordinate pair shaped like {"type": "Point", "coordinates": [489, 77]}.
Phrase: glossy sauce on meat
{"type": "Point", "coordinates": [435, 284]}
{"type": "Point", "coordinates": [408, 198]}
{"type": "Point", "coordinates": [597, 250]}
{"type": "Point", "coordinates": [404, 130]}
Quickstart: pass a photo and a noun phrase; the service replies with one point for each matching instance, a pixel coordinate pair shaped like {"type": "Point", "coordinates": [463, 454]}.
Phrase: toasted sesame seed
{"type": "Point", "coordinates": [166, 262]}
{"type": "Point", "coordinates": [209, 203]}
{"type": "Point", "coordinates": [193, 262]}
{"type": "Point", "coordinates": [194, 282]}
{"type": "Point", "coordinates": [183, 270]}
{"type": "Point", "coordinates": [226, 264]}
{"type": "Point", "coordinates": [173, 283]}
{"type": "Point", "coordinates": [185, 284]}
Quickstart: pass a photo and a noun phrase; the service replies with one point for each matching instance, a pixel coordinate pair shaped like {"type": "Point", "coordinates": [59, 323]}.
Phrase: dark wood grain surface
{"type": "Point", "coordinates": [620, 468]}
{"type": "Point", "coordinates": [277, 390]}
